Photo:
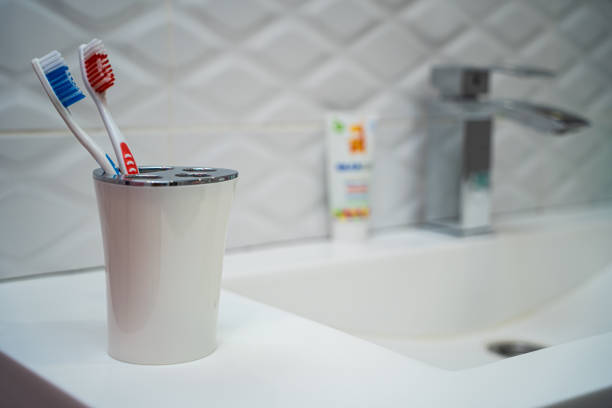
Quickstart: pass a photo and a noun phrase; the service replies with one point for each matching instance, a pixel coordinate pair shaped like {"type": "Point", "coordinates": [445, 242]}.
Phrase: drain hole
{"type": "Point", "coordinates": [200, 169]}
{"type": "Point", "coordinates": [513, 348]}
{"type": "Point", "coordinates": [151, 169]}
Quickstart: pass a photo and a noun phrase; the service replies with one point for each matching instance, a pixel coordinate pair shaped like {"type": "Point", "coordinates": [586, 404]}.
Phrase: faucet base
{"type": "Point", "coordinates": [453, 227]}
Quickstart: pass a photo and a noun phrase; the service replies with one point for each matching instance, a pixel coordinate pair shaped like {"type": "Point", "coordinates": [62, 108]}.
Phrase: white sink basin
{"type": "Point", "coordinates": [546, 280]}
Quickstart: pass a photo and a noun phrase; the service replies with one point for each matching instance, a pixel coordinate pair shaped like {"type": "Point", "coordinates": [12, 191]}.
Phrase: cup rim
{"type": "Point", "coordinates": [162, 175]}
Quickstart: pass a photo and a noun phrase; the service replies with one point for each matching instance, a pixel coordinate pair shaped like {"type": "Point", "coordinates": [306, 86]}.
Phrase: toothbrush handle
{"type": "Point", "coordinates": [126, 160]}
{"type": "Point", "coordinates": [102, 158]}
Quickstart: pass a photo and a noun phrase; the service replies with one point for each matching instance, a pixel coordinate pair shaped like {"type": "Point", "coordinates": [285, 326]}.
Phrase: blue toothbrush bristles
{"type": "Point", "coordinates": [59, 78]}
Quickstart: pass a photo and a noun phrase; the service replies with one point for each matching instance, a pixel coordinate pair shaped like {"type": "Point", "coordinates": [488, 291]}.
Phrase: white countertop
{"type": "Point", "coordinates": [55, 326]}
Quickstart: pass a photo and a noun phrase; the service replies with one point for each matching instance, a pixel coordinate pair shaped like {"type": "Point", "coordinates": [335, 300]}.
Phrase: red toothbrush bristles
{"type": "Point", "coordinates": [99, 72]}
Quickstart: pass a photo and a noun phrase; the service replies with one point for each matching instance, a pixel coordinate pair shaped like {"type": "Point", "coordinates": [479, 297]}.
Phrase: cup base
{"type": "Point", "coordinates": [162, 361]}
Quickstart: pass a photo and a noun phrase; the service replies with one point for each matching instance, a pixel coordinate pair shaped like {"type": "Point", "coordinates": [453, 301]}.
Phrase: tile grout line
{"type": "Point", "coordinates": [306, 125]}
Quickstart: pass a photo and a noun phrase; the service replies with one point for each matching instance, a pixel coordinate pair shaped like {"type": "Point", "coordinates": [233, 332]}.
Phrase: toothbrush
{"type": "Point", "coordinates": [98, 77]}
{"type": "Point", "coordinates": [55, 78]}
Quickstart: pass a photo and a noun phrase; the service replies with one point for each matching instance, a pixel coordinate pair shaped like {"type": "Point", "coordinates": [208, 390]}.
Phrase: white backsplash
{"type": "Point", "coordinates": [245, 84]}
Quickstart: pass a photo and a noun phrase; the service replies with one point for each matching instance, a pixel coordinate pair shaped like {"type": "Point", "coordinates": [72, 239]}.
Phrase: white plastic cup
{"type": "Point", "coordinates": [164, 239]}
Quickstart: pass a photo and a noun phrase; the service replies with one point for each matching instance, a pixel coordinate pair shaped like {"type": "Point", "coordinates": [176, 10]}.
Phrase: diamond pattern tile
{"type": "Point", "coordinates": [600, 111]}
{"type": "Point", "coordinates": [555, 8]}
{"type": "Point", "coordinates": [229, 87]}
{"type": "Point", "coordinates": [389, 51]}
{"type": "Point", "coordinates": [289, 107]}
{"type": "Point", "coordinates": [98, 15]}
{"type": "Point", "coordinates": [603, 56]}
{"type": "Point", "coordinates": [436, 21]}
{"type": "Point", "coordinates": [585, 26]}
{"type": "Point", "coordinates": [334, 18]}
{"type": "Point", "coordinates": [33, 229]}
{"type": "Point", "coordinates": [341, 86]}
{"type": "Point", "coordinates": [476, 47]}
{"type": "Point", "coordinates": [229, 18]}
{"type": "Point", "coordinates": [290, 48]}
{"type": "Point", "coordinates": [583, 84]}
{"type": "Point", "coordinates": [246, 83]}
{"type": "Point", "coordinates": [395, 4]}
{"type": "Point", "coordinates": [192, 43]}
{"type": "Point", "coordinates": [515, 23]}
{"type": "Point", "coordinates": [37, 31]}
{"type": "Point", "coordinates": [551, 51]}
{"type": "Point", "coordinates": [480, 8]}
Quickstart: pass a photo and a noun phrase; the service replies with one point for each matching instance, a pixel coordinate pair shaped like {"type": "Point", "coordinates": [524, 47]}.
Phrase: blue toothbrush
{"type": "Point", "coordinates": [54, 76]}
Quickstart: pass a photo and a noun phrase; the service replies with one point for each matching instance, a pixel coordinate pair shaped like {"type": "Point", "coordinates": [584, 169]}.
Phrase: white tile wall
{"type": "Point", "coordinates": [244, 84]}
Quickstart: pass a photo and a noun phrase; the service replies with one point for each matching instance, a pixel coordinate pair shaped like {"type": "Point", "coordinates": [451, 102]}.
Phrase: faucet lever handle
{"type": "Point", "coordinates": [466, 81]}
{"type": "Point", "coordinates": [522, 71]}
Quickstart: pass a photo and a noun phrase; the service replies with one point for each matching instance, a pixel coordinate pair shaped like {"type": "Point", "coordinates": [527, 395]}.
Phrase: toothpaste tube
{"type": "Point", "coordinates": [349, 140]}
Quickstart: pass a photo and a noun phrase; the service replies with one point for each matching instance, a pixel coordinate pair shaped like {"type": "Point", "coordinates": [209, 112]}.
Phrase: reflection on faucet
{"type": "Point", "coordinates": [542, 118]}
{"type": "Point", "coordinates": [460, 127]}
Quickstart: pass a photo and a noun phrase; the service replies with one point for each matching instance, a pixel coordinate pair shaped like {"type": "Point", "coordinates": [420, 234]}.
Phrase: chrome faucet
{"type": "Point", "coordinates": [460, 129]}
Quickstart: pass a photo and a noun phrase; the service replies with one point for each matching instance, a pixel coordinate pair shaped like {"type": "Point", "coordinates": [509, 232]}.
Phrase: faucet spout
{"type": "Point", "coordinates": [542, 118]}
